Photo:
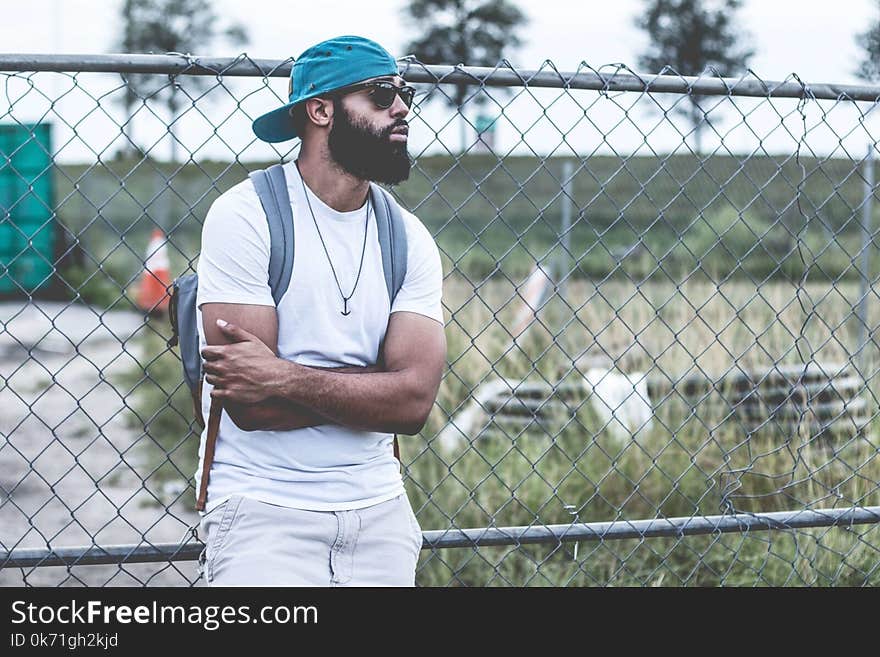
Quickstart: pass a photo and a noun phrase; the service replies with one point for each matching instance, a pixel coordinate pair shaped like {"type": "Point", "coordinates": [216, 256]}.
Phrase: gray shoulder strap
{"type": "Point", "coordinates": [392, 239]}
{"type": "Point", "coordinates": [271, 187]}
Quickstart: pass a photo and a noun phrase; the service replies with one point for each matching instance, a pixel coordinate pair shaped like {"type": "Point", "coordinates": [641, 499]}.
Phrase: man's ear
{"type": "Point", "coordinates": [320, 111]}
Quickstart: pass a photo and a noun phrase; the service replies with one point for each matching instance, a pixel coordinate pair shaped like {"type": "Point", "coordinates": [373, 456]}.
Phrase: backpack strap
{"type": "Point", "coordinates": [208, 457]}
{"type": "Point", "coordinates": [392, 243]}
{"type": "Point", "coordinates": [271, 187]}
{"type": "Point", "coordinates": [392, 239]}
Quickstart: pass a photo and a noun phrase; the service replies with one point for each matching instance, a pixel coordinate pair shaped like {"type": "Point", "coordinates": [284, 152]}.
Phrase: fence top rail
{"type": "Point", "coordinates": [412, 70]}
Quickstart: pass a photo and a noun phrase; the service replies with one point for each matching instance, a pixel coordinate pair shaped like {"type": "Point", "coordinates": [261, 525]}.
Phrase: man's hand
{"type": "Point", "coordinates": [243, 371]}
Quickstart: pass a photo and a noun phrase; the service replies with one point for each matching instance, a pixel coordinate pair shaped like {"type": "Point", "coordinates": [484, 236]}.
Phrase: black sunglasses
{"type": "Point", "coordinates": [382, 93]}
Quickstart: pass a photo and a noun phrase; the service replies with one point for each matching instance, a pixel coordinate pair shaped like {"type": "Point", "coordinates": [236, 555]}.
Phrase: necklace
{"type": "Point", "coordinates": [345, 310]}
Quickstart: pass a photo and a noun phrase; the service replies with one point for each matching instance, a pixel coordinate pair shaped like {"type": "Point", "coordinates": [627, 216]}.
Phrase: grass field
{"type": "Point", "coordinates": [691, 461]}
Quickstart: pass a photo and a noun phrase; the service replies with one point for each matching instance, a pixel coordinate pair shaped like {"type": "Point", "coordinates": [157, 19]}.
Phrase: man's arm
{"type": "Point", "coordinates": [272, 413]}
{"type": "Point", "coordinates": [278, 414]}
{"type": "Point", "coordinates": [396, 400]}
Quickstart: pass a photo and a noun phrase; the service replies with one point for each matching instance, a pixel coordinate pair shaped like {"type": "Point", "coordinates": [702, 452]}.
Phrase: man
{"type": "Point", "coordinates": [304, 488]}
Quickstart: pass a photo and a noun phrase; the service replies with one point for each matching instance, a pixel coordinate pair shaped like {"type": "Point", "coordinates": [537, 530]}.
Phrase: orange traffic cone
{"type": "Point", "coordinates": [153, 292]}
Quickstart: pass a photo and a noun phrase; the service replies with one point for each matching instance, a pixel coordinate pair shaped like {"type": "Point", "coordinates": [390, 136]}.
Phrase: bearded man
{"type": "Point", "coordinates": [303, 486]}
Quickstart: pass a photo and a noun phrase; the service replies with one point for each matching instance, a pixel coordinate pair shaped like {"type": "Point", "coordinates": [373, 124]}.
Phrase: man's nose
{"type": "Point", "coordinates": [398, 107]}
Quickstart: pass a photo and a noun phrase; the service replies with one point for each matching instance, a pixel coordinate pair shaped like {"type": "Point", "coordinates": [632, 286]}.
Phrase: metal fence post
{"type": "Point", "coordinates": [563, 262]}
{"type": "Point", "coordinates": [865, 268]}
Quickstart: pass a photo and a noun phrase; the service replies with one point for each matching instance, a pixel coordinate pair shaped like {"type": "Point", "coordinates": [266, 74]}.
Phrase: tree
{"type": "Point", "coordinates": [470, 32]}
{"type": "Point", "coordinates": [690, 37]}
{"type": "Point", "coordinates": [869, 40]}
{"type": "Point", "coordinates": [163, 26]}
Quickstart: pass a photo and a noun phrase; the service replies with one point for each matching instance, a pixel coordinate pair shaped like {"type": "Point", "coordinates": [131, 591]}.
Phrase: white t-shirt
{"type": "Point", "coordinates": [328, 467]}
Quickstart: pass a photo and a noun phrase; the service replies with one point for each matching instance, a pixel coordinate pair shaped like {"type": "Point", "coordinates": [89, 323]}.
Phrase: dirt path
{"type": "Point", "coordinates": [69, 461]}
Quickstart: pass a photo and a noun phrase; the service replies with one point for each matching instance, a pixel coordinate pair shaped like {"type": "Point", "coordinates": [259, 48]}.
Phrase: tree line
{"type": "Point", "coordinates": [686, 37]}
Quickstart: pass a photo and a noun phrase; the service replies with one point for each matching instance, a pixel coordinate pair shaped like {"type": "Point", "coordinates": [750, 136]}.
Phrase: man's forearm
{"type": "Point", "coordinates": [279, 414]}
{"type": "Point", "coordinates": [370, 401]}
{"type": "Point", "coordinates": [273, 414]}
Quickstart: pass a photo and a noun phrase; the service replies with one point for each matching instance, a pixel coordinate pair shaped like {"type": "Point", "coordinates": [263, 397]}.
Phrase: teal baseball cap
{"type": "Point", "coordinates": [326, 66]}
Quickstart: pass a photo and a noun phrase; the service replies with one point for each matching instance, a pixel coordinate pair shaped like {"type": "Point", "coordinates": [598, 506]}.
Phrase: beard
{"type": "Point", "coordinates": [364, 153]}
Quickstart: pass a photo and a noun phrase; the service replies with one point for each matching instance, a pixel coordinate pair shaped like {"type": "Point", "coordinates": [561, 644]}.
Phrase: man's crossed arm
{"type": "Point", "coordinates": [261, 391]}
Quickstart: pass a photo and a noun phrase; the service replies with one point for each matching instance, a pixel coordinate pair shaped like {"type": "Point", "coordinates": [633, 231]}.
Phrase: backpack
{"type": "Point", "coordinates": [271, 187]}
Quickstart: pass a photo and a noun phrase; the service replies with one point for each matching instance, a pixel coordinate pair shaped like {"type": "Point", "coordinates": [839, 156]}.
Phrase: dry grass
{"type": "Point", "coordinates": [693, 460]}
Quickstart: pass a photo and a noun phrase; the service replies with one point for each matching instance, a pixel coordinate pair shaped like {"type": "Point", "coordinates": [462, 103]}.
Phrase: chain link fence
{"type": "Point", "coordinates": [662, 358]}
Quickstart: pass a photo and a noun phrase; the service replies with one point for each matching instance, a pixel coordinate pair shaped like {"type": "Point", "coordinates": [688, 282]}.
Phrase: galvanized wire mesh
{"type": "Point", "coordinates": [662, 357]}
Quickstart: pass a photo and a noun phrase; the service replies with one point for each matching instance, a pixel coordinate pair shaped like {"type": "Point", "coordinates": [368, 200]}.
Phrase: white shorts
{"type": "Point", "coordinates": [253, 543]}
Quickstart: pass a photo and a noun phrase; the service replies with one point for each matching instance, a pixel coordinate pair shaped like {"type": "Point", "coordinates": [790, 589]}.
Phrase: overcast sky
{"type": "Point", "coordinates": [802, 36]}
{"type": "Point", "coordinates": [789, 36]}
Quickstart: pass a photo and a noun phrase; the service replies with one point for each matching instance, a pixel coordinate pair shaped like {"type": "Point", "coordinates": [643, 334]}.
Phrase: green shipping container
{"type": "Point", "coordinates": [27, 222]}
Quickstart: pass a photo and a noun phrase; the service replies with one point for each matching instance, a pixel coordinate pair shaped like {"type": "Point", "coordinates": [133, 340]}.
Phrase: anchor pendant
{"type": "Point", "coordinates": [346, 311]}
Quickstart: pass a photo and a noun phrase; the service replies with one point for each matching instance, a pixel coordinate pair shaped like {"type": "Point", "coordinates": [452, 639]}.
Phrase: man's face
{"type": "Point", "coordinates": [361, 140]}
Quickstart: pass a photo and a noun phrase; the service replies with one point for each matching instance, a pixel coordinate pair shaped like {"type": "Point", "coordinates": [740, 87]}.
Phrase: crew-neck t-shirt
{"type": "Point", "coordinates": [327, 467]}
